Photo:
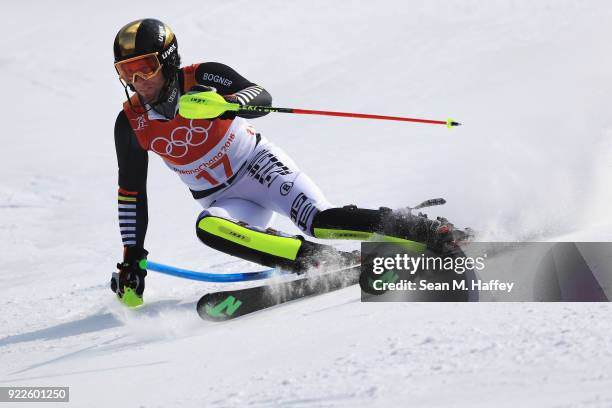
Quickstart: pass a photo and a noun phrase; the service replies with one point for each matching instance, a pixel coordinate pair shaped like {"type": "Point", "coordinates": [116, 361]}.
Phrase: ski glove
{"type": "Point", "coordinates": [129, 282]}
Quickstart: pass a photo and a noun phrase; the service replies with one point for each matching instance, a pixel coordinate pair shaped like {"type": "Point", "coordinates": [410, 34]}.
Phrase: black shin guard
{"type": "Point", "coordinates": [350, 222]}
{"type": "Point", "coordinates": [269, 247]}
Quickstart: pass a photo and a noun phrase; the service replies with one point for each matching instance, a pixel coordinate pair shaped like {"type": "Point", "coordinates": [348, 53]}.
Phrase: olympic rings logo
{"type": "Point", "coordinates": [180, 139]}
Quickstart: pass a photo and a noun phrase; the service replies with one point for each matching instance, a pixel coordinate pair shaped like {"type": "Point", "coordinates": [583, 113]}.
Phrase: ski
{"type": "Point", "coordinates": [230, 304]}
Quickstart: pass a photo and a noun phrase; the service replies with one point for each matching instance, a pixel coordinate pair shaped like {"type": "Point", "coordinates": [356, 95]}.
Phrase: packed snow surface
{"type": "Point", "coordinates": [531, 83]}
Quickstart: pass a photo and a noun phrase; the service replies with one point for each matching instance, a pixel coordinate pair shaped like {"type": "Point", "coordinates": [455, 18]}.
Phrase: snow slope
{"type": "Point", "coordinates": [530, 81]}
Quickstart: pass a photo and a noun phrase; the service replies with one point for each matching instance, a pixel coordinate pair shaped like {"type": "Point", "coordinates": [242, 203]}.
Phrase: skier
{"type": "Point", "coordinates": [238, 176]}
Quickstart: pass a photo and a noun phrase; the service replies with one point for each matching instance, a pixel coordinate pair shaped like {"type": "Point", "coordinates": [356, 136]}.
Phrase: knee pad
{"type": "Point", "coordinates": [266, 247]}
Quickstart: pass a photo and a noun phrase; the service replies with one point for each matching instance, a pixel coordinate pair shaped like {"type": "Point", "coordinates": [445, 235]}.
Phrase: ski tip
{"type": "Point", "coordinates": [217, 310]}
{"type": "Point", "coordinates": [450, 123]}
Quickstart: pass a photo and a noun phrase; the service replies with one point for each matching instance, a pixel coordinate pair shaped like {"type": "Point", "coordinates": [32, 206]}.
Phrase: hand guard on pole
{"type": "Point", "coordinates": [129, 282]}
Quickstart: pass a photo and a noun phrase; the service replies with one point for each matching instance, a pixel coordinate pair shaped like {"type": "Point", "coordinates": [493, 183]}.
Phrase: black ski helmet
{"type": "Point", "coordinates": [146, 36]}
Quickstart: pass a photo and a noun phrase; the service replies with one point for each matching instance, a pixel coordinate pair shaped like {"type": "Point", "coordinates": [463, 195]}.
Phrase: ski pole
{"type": "Point", "coordinates": [209, 104]}
{"type": "Point", "coordinates": [206, 276]}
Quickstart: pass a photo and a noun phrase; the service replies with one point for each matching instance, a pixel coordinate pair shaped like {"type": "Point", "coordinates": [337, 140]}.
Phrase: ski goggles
{"type": "Point", "coordinates": [144, 66]}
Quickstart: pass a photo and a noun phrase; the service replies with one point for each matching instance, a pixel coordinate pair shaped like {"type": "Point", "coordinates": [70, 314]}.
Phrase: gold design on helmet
{"type": "Point", "coordinates": [169, 36]}
{"type": "Point", "coordinates": [127, 38]}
